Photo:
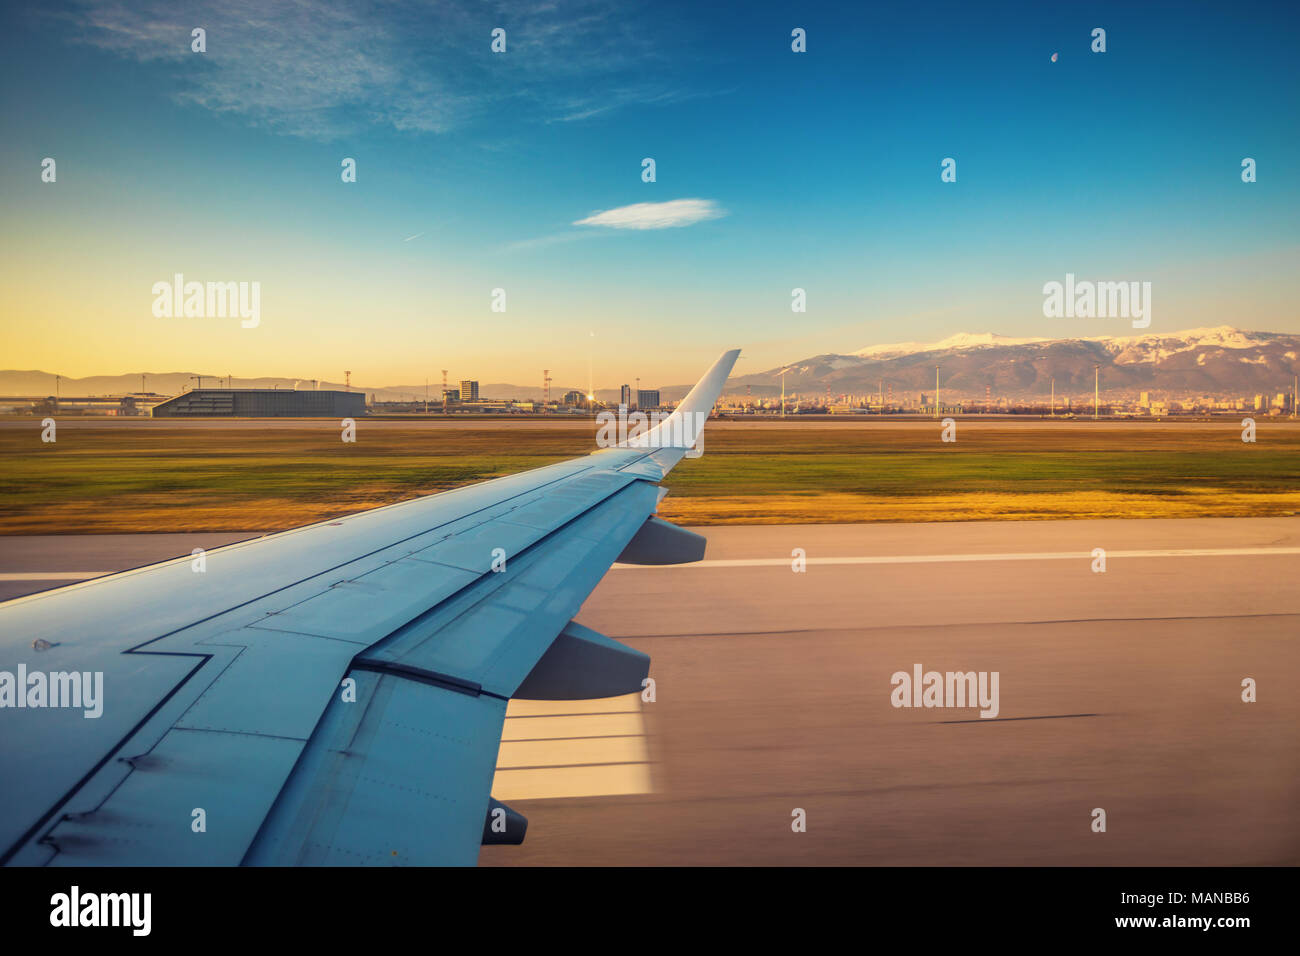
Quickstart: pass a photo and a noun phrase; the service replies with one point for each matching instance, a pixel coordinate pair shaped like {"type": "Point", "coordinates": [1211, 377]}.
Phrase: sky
{"type": "Point", "coordinates": [522, 171]}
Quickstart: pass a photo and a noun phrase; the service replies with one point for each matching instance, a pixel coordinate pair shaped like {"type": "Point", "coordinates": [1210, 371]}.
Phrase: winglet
{"type": "Point", "coordinates": [682, 428]}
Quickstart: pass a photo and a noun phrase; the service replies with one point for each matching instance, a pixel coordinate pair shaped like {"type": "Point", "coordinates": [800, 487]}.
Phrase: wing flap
{"type": "Point", "coordinates": [399, 777]}
{"type": "Point", "coordinates": [495, 632]}
{"type": "Point", "coordinates": [232, 779]}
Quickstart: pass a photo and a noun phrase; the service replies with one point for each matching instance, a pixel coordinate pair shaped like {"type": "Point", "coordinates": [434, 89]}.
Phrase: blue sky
{"type": "Point", "coordinates": [818, 170]}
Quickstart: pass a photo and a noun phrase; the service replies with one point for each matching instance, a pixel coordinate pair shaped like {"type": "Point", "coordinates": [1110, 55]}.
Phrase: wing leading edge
{"type": "Point", "coordinates": [334, 694]}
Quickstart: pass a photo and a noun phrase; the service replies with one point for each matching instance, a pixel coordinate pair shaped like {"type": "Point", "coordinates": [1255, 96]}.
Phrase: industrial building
{"type": "Point", "coordinates": [262, 403]}
{"type": "Point", "coordinates": [647, 398]}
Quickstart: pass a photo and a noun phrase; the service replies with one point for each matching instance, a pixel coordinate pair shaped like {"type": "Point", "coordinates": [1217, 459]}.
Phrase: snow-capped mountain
{"type": "Point", "coordinates": [1223, 360]}
{"type": "Point", "coordinates": [962, 340]}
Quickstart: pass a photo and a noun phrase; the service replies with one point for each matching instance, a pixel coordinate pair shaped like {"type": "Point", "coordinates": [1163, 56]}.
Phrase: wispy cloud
{"type": "Point", "coordinates": [326, 69]}
{"type": "Point", "coordinates": [309, 68]}
{"type": "Point", "coordinates": [656, 215]}
{"type": "Point", "coordinates": [543, 242]}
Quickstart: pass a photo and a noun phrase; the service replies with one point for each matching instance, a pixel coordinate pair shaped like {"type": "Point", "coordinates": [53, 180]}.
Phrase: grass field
{"type": "Point", "coordinates": [133, 476]}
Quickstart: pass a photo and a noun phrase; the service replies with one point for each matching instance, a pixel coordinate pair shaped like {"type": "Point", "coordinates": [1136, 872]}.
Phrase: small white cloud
{"type": "Point", "coordinates": [656, 215]}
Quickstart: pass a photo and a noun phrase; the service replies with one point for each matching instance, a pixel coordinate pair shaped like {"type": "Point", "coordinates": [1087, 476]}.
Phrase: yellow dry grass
{"type": "Point", "coordinates": [834, 508]}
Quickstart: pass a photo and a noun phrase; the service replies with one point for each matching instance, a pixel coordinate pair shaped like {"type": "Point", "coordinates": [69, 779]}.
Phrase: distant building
{"type": "Point", "coordinates": [468, 390]}
{"type": "Point", "coordinates": [647, 398]}
{"type": "Point", "coordinates": [574, 398]}
{"type": "Point", "coordinates": [625, 395]}
{"type": "Point", "coordinates": [1259, 403]}
{"type": "Point", "coordinates": [450, 396]}
{"type": "Point", "coordinates": [262, 403]}
{"type": "Point", "coordinates": [1144, 400]}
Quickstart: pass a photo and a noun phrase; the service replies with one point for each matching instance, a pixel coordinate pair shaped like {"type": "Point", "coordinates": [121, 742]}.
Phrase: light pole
{"type": "Point", "coordinates": [936, 391]}
{"type": "Point", "coordinates": [1096, 392]}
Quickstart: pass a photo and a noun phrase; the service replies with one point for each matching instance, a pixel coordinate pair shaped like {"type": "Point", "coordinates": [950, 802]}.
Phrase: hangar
{"type": "Point", "coordinates": [262, 403]}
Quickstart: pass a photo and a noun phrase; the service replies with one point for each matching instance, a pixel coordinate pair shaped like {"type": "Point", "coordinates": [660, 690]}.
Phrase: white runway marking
{"type": "Point", "coordinates": [572, 748]}
{"type": "Point", "coordinates": [953, 558]}
{"type": "Point", "coordinates": [858, 559]}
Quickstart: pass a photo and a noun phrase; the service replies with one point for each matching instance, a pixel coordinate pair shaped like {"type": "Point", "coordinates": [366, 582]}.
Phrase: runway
{"type": "Point", "coordinates": [1119, 690]}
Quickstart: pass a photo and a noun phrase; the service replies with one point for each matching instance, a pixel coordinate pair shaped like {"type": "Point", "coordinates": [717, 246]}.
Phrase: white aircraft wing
{"type": "Point", "coordinates": [328, 695]}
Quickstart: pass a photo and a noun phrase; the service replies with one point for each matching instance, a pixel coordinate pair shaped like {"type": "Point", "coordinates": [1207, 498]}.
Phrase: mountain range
{"type": "Point", "coordinates": [1213, 361]}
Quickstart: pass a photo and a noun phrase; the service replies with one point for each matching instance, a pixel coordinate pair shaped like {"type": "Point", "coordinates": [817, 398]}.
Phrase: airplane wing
{"type": "Point", "coordinates": [332, 695]}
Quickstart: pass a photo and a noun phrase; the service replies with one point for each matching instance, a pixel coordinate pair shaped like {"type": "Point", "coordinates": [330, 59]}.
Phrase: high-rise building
{"type": "Point", "coordinates": [647, 398]}
{"type": "Point", "coordinates": [625, 395]}
{"type": "Point", "coordinates": [574, 398]}
{"type": "Point", "coordinates": [1144, 400]}
{"type": "Point", "coordinates": [468, 390]}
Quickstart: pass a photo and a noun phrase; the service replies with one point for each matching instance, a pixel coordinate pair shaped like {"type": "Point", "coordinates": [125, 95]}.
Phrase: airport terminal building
{"type": "Point", "coordinates": [262, 403]}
